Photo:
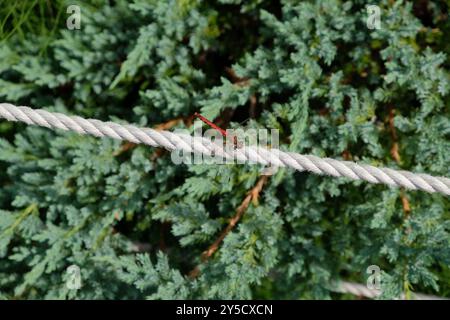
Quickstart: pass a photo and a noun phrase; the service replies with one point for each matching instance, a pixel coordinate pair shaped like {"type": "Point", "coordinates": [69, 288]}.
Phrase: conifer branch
{"type": "Point", "coordinates": [252, 196]}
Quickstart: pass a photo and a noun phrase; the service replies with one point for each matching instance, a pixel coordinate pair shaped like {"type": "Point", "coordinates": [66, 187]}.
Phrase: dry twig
{"type": "Point", "coordinates": [252, 196]}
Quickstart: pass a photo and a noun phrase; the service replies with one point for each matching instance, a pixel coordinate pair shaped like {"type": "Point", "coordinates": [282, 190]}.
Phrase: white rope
{"type": "Point", "coordinates": [253, 154]}
{"type": "Point", "coordinates": [360, 290]}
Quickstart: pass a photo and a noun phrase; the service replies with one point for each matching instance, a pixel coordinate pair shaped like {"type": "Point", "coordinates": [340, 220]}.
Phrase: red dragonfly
{"type": "Point", "coordinates": [214, 126]}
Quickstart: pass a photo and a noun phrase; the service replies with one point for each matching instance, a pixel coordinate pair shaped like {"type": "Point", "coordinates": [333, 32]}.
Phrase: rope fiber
{"type": "Point", "coordinates": [253, 154]}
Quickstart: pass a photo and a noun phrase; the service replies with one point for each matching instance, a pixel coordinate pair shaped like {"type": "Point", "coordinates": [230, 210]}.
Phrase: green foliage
{"type": "Point", "coordinates": [20, 18]}
{"type": "Point", "coordinates": [136, 224]}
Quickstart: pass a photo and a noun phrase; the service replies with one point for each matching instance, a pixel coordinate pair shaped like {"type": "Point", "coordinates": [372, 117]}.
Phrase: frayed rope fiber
{"type": "Point", "coordinates": [252, 154]}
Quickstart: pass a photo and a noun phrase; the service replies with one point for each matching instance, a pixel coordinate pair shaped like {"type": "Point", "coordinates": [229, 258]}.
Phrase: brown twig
{"type": "Point", "coordinates": [169, 124]}
{"type": "Point", "coordinates": [253, 105]}
{"type": "Point", "coordinates": [241, 82]}
{"type": "Point", "coordinates": [124, 148]}
{"type": "Point", "coordinates": [252, 196]}
{"type": "Point", "coordinates": [394, 149]}
{"type": "Point", "coordinates": [396, 156]}
{"type": "Point", "coordinates": [346, 155]}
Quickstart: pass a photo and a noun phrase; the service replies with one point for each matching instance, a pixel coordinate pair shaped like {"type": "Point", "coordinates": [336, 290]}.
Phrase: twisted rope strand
{"type": "Point", "coordinates": [252, 154]}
